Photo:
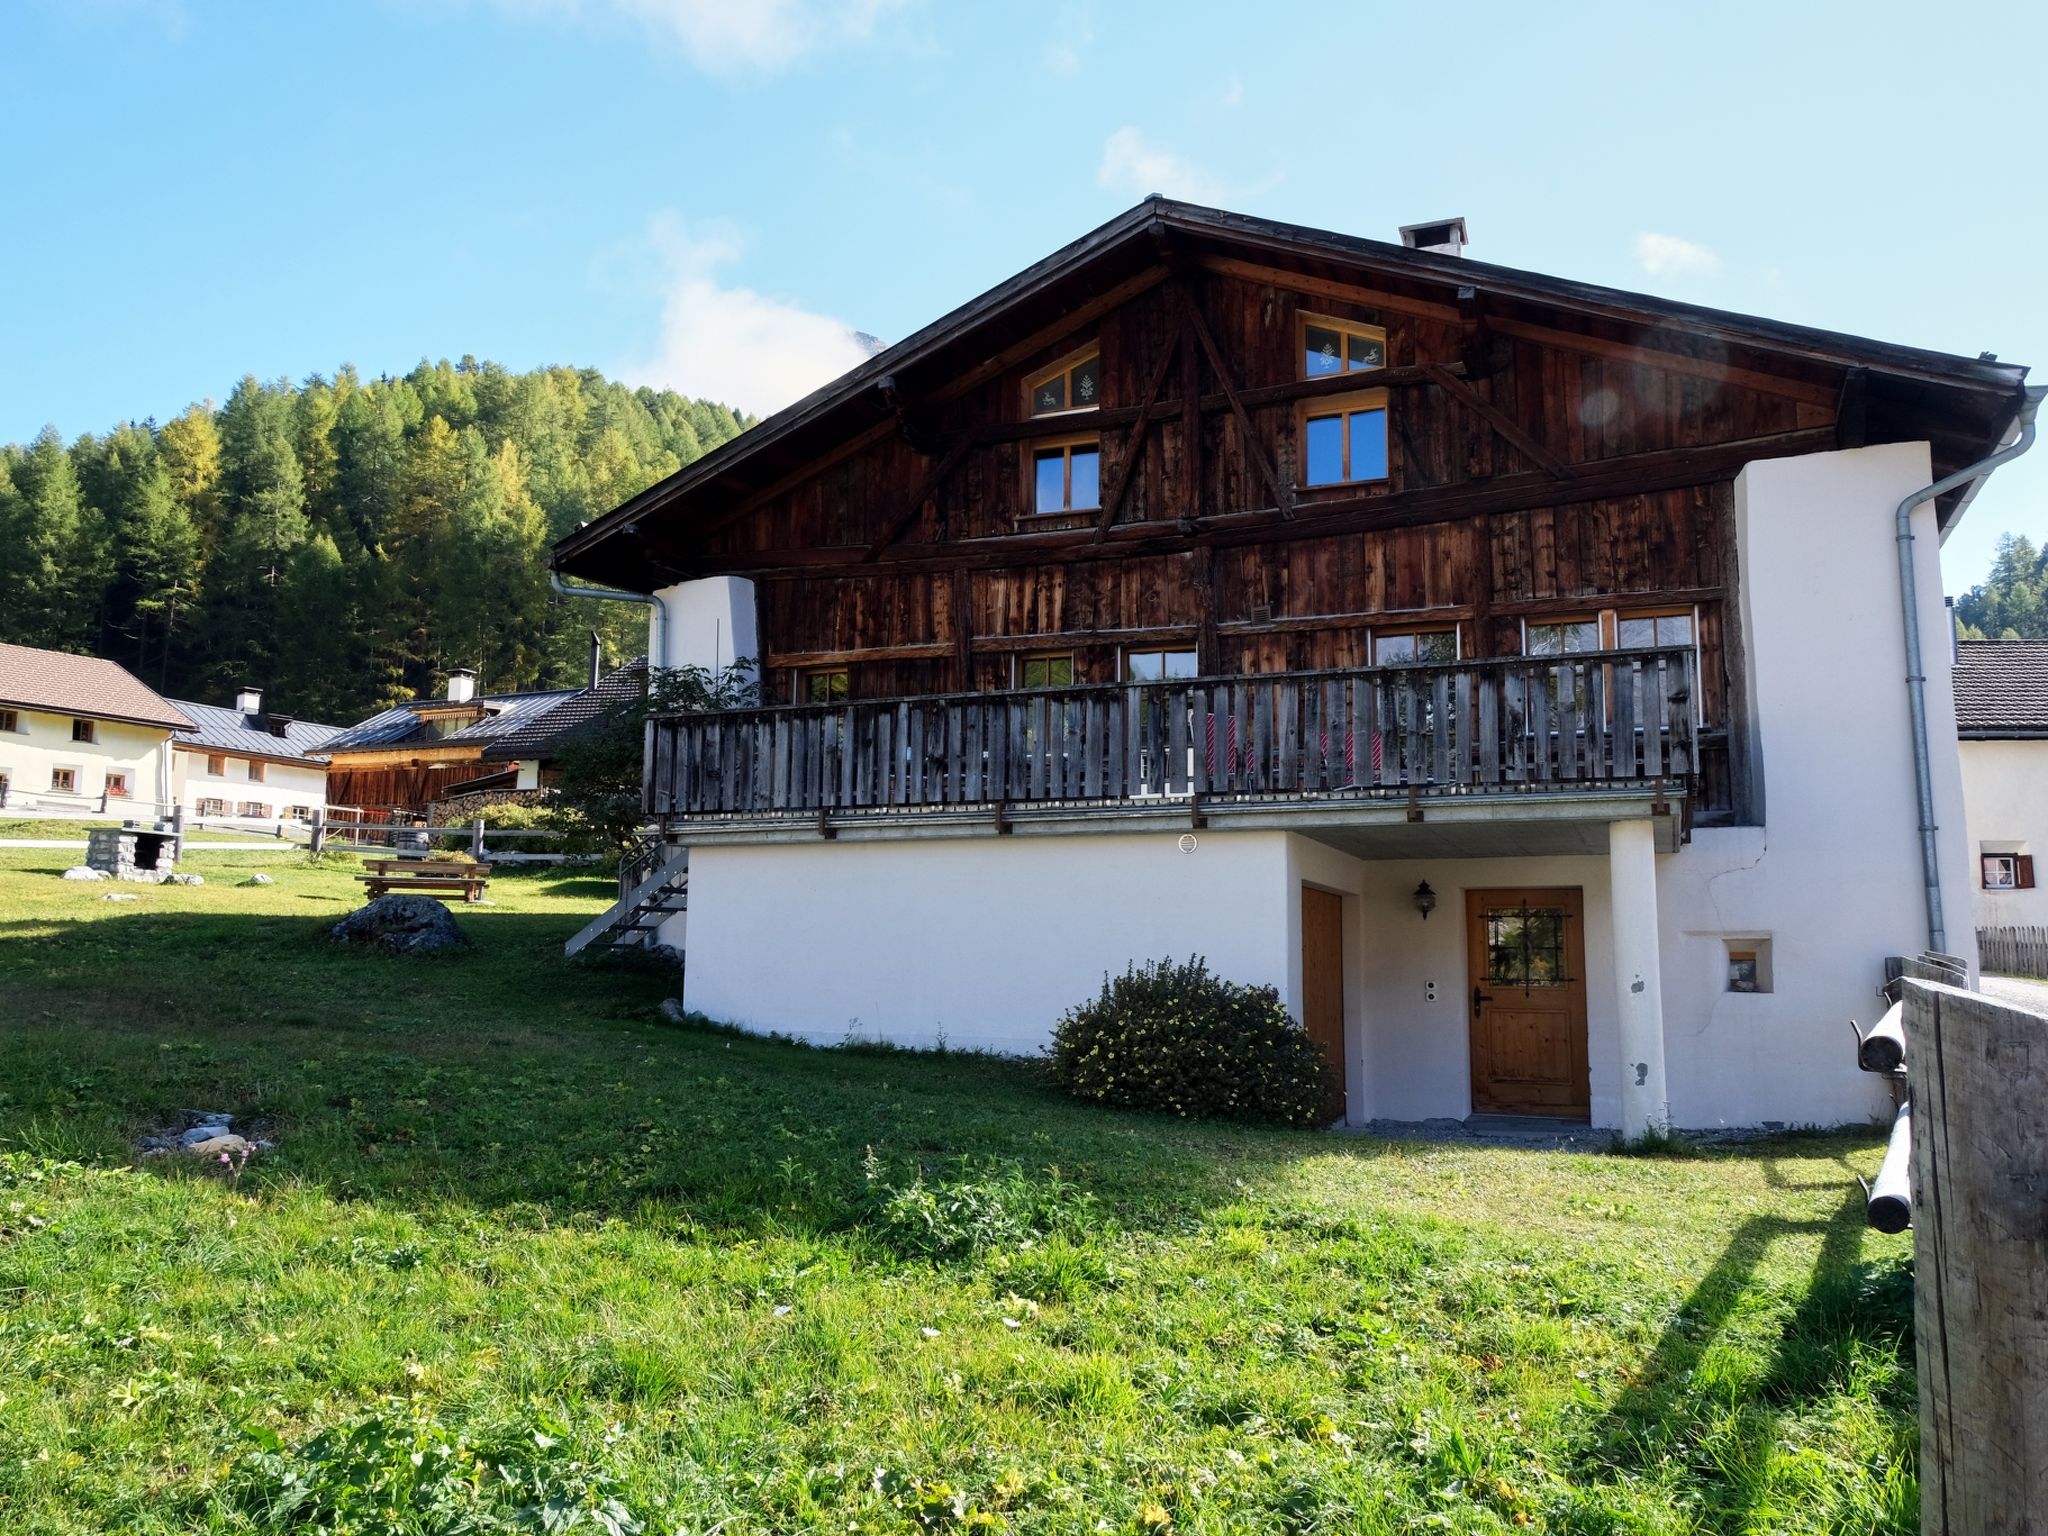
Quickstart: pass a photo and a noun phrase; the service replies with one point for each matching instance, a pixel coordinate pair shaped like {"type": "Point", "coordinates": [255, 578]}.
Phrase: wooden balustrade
{"type": "Point", "coordinates": [1519, 724]}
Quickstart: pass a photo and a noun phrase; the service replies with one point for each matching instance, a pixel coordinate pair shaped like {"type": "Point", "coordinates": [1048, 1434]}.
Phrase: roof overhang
{"type": "Point", "coordinates": [1962, 406]}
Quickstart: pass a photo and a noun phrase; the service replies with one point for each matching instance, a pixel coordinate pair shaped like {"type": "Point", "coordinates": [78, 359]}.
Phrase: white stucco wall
{"type": "Point", "coordinates": [41, 743]}
{"type": "Point", "coordinates": [283, 786]}
{"type": "Point", "coordinates": [2005, 796]}
{"type": "Point", "coordinates": [710, 624]}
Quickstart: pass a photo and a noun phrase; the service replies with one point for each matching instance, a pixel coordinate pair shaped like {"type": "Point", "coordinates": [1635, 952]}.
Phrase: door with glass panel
{"type": "Point", "coordinates": [1526, 964]}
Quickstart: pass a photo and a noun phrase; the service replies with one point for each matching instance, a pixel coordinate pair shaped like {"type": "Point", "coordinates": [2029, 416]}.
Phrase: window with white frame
{"type": "Point", "coordinates": [2007, 871]}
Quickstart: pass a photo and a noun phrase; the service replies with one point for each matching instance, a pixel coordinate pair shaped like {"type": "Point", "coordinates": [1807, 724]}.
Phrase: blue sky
{"type": "Point", "coordinates": [711, 195]}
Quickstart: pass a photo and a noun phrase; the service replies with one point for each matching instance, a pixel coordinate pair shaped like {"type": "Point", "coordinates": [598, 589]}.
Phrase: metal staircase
{"type": "Point", "coordinates": [654, 885]}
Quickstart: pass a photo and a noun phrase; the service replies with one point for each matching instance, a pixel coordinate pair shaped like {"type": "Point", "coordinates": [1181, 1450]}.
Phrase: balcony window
{"type": "Point", "coordinates": [1635, 630]}
{"type": "Point", "coordinates": [1066, 476]}
{"type": "Point", "coordinates": [823, 685]}
{"type": "Point", "coordinates": [1344, 441]}
{"type": "Point", "coordinates": [1330, 346]}
{"type": "Point", "coordinates": [81, 730]}
{"type": "Point", "coordinates": [1157, 666]}
{"type": "Point", "coordinates": [1074, 383]}
{"type": "Point", "coordinates": [1562, 637]}
{"type": "Point", "coordinates": [1046, 671]}
{"type": "Point", "coordinates": [1414, 648]}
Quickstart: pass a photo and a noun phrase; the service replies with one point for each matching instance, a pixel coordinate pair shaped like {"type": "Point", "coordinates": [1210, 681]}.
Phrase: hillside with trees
{"type": "Point", "coordinates": [2012, 602]}
{"type": "Point", "coordinates": [339, 543]}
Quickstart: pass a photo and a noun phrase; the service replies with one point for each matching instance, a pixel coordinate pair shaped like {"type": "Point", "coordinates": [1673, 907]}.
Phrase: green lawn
{"type": "Point", "coordinates": [524, 1248]}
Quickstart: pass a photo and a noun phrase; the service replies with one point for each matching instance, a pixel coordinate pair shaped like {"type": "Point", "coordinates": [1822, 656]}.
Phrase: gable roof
{"type": "Point", "coordinates": [542, 734]}
{"type": "Point", "coordinates": [1964, 405]}
{"type": "Point", "coordinates": [402, 725]}
{"type": "Point", "coordinates": [62, 684]}
{"type": "Point", "coordinates": [2001, 688]}
{"type": "Point", "coordinates": [218, 728]}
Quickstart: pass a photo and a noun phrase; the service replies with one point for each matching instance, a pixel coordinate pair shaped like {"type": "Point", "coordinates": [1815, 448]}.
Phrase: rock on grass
{"type": "Point", "coordinates": [402, 925]}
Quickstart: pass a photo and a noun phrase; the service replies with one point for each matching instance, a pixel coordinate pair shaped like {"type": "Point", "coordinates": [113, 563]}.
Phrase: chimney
{"type": "Point", "coordinates": [596, 659]}
{"type": "Point", "coordinates": [461, 686]}
{"type": "Point", "coordinates": [249, 701]}
{"type": "Point", "coordinates": [1444, 237]}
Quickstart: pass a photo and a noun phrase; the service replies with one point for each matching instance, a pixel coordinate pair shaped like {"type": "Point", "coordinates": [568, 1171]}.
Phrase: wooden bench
{"type": "Point", "coordinates": [430, 877]}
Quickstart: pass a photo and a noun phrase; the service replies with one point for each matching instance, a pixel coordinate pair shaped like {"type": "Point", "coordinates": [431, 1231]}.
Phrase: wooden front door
{"type": "Point", "coordinates": [1527, 967]}
{"type": "Point", "coordinates": [1322, 981]}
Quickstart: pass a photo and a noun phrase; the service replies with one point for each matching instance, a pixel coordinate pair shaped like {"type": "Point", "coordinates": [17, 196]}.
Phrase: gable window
{"type": "Point", "coordinates": [1344, 441]}
{"type": "Point", "coordinates": [117, 785]}
{"type": "Point", "coordinates": [81, 730]}
{"type": "Point", "coordinates": [1066, 476]}
{"type": "Point", "coordinates": [216, 764]}
{"type": "Point", "coordinates": [1052, 670]}
{"type": "Point", "coordinates": [2008, 871]}
{"type": "Point", "coordinates": [1074, 383]}
{"type": "Point", "coordinates": [1417, 646]}
{"type": "Point", "coordinates": [64, 781]}
{"type": "Point", "coordinates": [255, 771]}
{"type": "Point", "coordinates": [823, 685]}
{"type": "Point", "coordinates": [1330, 346]}
{"type": "Point", "coordinates": [1154, 666]}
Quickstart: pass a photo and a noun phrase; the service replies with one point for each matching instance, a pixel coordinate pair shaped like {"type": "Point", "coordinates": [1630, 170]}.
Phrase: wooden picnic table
{"type": "Point", "coordinates": [431, 877]}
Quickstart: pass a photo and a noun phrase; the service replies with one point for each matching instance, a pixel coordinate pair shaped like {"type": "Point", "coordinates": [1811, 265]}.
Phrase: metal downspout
{"type": "Point", "coordinates": [1916, 678]}
{"type": "Point", "coordinates": [613, 594]}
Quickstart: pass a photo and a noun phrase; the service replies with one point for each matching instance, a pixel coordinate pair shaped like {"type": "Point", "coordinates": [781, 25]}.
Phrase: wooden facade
{"type": "Point", "coordinates": [1544, 462]}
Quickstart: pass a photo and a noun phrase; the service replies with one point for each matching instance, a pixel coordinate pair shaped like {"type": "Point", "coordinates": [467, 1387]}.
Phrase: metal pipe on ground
{"type": "Point", "coordinates": [1889, 1206]}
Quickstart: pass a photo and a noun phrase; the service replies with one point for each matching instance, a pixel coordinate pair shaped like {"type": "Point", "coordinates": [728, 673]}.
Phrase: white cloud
{"type": "Point", "coordinates": [1132, 165]}
{"type": "Point", "coordinates": [730, 343]}
{"type": "Point", "coordinates": [1063, 56]}
{"type": "Point", "coordinates": [1670, 256]}
{"type": "Point", "coordinates": [1233, 92]}
{"type": "Point", "coordinates": [732, 36]}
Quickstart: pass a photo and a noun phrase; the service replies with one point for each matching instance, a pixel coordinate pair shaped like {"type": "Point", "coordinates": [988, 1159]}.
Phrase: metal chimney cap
{"type": "Point", "coordinates": [1446, 236]}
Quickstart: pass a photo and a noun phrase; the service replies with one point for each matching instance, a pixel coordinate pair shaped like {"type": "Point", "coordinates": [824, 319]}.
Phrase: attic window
{"type": "Point", "coordinates": [1074, 383]}
{"type": "Point", "coordinates": [1330, 346]}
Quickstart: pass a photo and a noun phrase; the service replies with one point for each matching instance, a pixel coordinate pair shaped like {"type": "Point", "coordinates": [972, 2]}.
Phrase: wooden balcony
{"type": "Point", "coordinates": [1515, 729]}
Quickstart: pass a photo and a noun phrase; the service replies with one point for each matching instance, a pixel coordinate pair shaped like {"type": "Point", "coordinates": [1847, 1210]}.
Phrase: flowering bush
{"type": "Point", "coordinates": [1171, 1036]}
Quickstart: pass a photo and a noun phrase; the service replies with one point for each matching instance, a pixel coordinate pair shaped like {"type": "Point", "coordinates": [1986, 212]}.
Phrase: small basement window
{"type": "Point", "coordinates": [1749, 964]}
{"type": "Point", "coordinates": [1066, 476]}
{"type": "Point", "coordinates": [1344, 441]}
{"type": "Point", "coordinates": [1074, 383]}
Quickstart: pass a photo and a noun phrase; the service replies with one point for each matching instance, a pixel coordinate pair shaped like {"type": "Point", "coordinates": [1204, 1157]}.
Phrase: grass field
{"type": "Point", "coordinates": [527, 1258]}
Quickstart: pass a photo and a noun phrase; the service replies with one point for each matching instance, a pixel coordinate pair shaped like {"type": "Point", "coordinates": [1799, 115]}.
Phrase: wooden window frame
{"type": "Point", "coordinates": [85, 731]}
{"type": "Point", "coordinates": [63, 781]}
{"type": "Point", "coordinates": [800, 691]}
{"type": "Point", "coordinates": [1125, 653]}
{"type": "Point", "coordinates": [1023, 659]}
{"type": "Point", "coordinates": [1609, 637]}
{"type": "Point", "coordinates": [1375, 636]}
{"type": "Point", "coordinates": [218, 806]}
{"type": "Point", "coordinates": [117, 786]}
{"type": "Point", "coordinates": [1064, 366]}
{"type": "Point", "coordinates": [256, 770]}
{"type": "Point", "coordinates": [252, 810]}
{"type": "Point", "coordinates": [1303, 319]}
{"type": "Point", "coordinates": [216, 765]}
{"type": "Point", "coordinates": [1343, 407]}
{"type": "Point", "coordinates": [1066, 444]}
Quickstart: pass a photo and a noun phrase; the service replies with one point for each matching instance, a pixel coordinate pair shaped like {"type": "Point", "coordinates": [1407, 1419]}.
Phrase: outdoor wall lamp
{"type": "Point", "coordinates": [1425, 900]}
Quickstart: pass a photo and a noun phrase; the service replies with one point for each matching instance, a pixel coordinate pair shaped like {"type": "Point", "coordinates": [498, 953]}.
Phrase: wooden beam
{"type": "Point", "coordinates": [1658, 357]}
{"type": "Point", "coordinates": [1134, 449]}
{"type": "Point", "coordinates": [1500, 421]}
{"type": "Point", "coordinates": [902, 521]}
{"type": "Point", "coordinates": [1072, 320]}
{"type": "Point", "coordinates": [963, 627]}
{"type": "Point", "coordinates": [1062, 639]}
{"type": "Point", "coordinates": [1283, 494]}
{"type": "Point", "coordinates": [1476, 341]}
{"type": "Point", "coordinates": [1190, 416]}
{"type": "Point", "coordinates": [1852, 409]}
{"type": "Point", "coordinates": [1324, 288]}
{"type": "Point", "coordinates": [935, 650]}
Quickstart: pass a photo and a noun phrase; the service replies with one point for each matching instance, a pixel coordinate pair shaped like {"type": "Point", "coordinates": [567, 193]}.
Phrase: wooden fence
{"type": "Point", "coordinates": [1616, 717]}
{"type": "Point", "coordinates": [2013, 951]}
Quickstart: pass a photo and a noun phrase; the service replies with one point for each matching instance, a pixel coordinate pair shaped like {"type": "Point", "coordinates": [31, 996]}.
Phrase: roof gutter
{"type": "Point", "coordinates": [1971, 475]}
{"type": "Point", "coordinates": [615, 595]}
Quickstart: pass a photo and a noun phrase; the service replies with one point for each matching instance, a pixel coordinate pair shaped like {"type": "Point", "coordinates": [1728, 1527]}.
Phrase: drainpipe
{"type": "Point", "coordinates": [1916, 680]}
{"type": "Point", "coordinates": [613, 594]}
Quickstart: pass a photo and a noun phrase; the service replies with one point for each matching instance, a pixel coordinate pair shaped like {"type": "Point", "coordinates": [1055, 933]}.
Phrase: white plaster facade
{"type": "Point", "coordinates": [40, 749]}
{"type": "Point", "coordinates": [984, 941]}
{"type": "Point", "coordinates": [2005, 794]}
{"type": "Point", "coordinates": [287, 791]}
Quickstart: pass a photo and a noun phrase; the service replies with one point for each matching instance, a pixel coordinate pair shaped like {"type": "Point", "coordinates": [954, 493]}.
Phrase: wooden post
{"type": "Point", "coordinates": [177, 833]}
{"type": "Point", "coordinates": [1979, 1070]}
{"type": "Point", "coordinates": [476, 839]}
{"type": "Point", "coordinates": [319, 830]}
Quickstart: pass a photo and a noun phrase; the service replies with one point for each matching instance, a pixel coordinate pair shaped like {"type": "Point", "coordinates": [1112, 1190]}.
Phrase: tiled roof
{"type": "Point", "coordinates": [229, 730]}
{"type": "Point", "coordinates": [401, 725]}
{"type": "Point", "coordinates": [63, 684]}
{"type": "Point", "coordinates": [541, 735]}
{"type": "Point", "coordinates": [2002, 687]}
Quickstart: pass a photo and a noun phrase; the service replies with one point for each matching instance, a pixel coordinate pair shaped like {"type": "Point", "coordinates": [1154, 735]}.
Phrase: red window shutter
{"type": "Point", "coordinates": [2024, 865]}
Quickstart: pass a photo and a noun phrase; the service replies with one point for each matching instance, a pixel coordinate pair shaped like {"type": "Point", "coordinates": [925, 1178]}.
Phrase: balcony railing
{"type": "Point", "coordinates": [1599, 720]}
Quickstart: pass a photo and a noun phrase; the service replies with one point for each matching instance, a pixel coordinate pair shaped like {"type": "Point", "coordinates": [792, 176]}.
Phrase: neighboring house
{"type": "Point", "coordinates": [244, 764]}
{"type": "Point", "coordinates": [1223, 587]}
{"type": "Point", "coordinates": [529, 752]}
{"type": "Point", "coordinates": [2002, 718]}
{"type": "Point", "coordinates": [80, 734]}
{"type": "Point", "coordinates": [407, 757]}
